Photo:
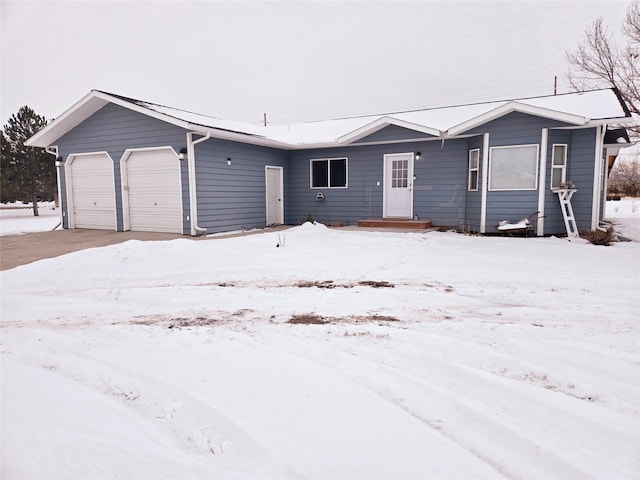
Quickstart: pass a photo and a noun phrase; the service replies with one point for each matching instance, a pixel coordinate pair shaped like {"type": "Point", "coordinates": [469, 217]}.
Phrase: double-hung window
{"type": "Point", "coordinates": [558, 166]}
{"type": "Point", "coordinates": [474, 162]}
{"type": "Point", "coordinates": [328, 173]}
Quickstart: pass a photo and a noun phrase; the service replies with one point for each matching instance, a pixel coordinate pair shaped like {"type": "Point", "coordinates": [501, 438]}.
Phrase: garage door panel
{"type": "Point", "coordinates": [154, 191]}
{"type": "Point", "coordinates": [92, 194]}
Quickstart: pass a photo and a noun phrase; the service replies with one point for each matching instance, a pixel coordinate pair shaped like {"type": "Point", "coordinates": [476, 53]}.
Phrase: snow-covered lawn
{"type": "Point", "coordinates": [17, 218]}
{"type": "Point", "coordinates": [342, 354]}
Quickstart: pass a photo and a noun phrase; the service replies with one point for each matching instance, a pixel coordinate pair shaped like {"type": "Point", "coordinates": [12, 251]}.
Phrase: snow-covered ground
{"type": "Point", "coordinates": [17, 218]}
{"type": "Point", "coordinates": [341, 354]}
{"type": "Point", "coordinates": [625, 215]}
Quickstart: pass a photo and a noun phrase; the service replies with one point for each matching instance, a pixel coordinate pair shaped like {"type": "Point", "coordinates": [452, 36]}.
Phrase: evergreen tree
{"type": "Point", "coordinates": [26, 173]}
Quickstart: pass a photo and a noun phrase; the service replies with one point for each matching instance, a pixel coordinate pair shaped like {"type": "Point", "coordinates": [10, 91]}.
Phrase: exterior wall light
{"type": "Point", "coordinates": [228, 161]}
{"type": "Point", "coordinates": [59, 162]}
{"type": "Point", "coordinates": [418, 156]}
{"type": "Point", "coordinates": [182, 155]}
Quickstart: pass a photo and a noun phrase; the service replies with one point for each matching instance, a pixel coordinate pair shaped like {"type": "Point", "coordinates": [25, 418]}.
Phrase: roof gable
{"type": "Point", "coordinates": [392, 134]}
{"type": "Point", "coordinates": [510, 107]}
{"type": "Point", "coordinates": [384, 122]}
{"type": "Point", "coordinates": [80, 111]}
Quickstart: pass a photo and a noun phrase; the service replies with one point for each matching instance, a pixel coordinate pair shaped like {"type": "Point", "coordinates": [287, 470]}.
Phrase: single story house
{"type": "Point", "coordinates": [127, 164]}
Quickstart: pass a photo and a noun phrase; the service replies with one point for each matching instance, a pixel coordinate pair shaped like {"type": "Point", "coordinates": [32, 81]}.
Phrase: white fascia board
{"type": "Point", "coordinates": [83, 109]}
{"type": "Point", "coordinates": [611, 121]}
{"type": "Point", "coordinates": [381, 123]}
{"type": "Point", "coordinates": [510, 107]}
{"type": "Point", "coordinates": [69, 119]}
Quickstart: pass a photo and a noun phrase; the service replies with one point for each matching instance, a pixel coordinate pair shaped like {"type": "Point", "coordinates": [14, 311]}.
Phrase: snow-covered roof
{"type": "Point", "coordinates": [578, 109]}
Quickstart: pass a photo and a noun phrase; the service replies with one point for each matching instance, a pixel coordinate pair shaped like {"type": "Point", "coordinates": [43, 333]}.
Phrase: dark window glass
{"type": "Point", "coordinates": [473, 180]}
{"type": "Point", "coordinates": [338, 172]}
{"type": "Point", "coordinates": [320, 173]}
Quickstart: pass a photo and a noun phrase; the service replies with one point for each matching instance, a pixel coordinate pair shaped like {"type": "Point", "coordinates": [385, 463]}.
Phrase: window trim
{"type": "Point", "coordinates": [563, 167]}
{"type": "Point", "coordinates": [476, 170]}
{"type": "Point", "coordinates": [328, 160]}
{"type": "Point", "coordinates": [535, 174]}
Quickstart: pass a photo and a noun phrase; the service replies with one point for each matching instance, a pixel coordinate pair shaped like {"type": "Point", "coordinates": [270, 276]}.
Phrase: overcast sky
{"type": "Point", "coordinates": [293, 60]}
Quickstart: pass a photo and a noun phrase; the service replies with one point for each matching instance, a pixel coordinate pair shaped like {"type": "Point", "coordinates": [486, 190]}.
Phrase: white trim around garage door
{"type": "Point", "coordinates": [91, 194]}
{"type": "Point", "coordinates": [152, 200]}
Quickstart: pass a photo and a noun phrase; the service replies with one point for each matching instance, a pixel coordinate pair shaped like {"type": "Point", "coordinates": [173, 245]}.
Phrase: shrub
{"type": "Point", "coordinates": [598, 237]}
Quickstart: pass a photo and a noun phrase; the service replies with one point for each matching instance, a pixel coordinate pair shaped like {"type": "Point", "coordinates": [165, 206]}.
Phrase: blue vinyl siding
{"type": "Point", "coordinates": [114, 129]}
{"type": "Point", "coordinates": [361, 199]}
{"type": "Point", "coordinates": [522, 129]}
{"type": "Point", "coordinates": [553, 222]}
{"type": "Point", "coordinates": [63, 197]}
{"type": "Point", "coordinates": [439, 188]}
{"type": "Point", "coordinates": [474, 199]}
{"type": "Point", "coordinates": [516, 129]}
{"type": "Point", "coordinates": [232, 197]}
{"type": "Point", "coordinates": [580, 169]}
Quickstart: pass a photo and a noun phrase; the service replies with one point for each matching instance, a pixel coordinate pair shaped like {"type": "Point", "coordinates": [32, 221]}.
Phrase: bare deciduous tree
{"type": "Point", "coordinates": [599, 61]}
{"type": "Point", "coordinates": [625, 178]}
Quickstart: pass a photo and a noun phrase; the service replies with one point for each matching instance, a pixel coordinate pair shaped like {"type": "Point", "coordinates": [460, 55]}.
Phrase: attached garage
{"type": "Point", "coordinates": [151, 190]}
{"type": "Point", "coordinates": [90, 191]}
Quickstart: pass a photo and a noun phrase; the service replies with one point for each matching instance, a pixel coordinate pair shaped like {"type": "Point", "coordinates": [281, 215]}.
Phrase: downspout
{"type": "Point", "coordinates": [485, 177]}
{"type": "Point", "coordinates": [605, 182]}
{"type": "Point", "coordinates": [193, 198]}
{"type": "Point", "coordinates": [53, 150]}
{"type": "Point", "coordinates": [597, 177]}
{"type": "Point", "coordinates": [542, 183]}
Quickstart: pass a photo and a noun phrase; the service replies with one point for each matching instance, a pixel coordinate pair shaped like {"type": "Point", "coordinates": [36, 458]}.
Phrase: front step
{"type": "Point", "coordinates": [394, 223]}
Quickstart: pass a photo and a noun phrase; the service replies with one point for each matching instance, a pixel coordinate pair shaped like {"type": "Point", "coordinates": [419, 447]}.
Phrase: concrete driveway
{"type": "Point", "coordinates": [18, 250]}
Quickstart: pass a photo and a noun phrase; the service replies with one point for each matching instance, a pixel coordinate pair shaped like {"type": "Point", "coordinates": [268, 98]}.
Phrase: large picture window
{"type": "Point", "coordinates": [513, 168]}
{"type": "Point", "coordinates": [474, 163]}
{"type": "Point", "coordinates": [329, 173]}
{"type": "Point", "coordinates": [558, 166]}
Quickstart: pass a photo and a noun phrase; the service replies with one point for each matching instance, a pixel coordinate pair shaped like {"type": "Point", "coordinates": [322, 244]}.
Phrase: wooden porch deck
{"type": "Point", "coordinates": [395, 223]}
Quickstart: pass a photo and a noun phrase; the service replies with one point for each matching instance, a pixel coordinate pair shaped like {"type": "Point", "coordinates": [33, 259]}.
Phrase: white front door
{"type": "Point", "coordinates": [398, 185]}
{"type": "Point", "coordinates": [275, 206]}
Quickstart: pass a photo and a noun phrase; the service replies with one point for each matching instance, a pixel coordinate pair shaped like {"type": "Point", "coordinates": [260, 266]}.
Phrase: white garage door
{"type": "Point", "coordinates": [152, 191]}
{"type": "Point", "coordinates": [91, 191]}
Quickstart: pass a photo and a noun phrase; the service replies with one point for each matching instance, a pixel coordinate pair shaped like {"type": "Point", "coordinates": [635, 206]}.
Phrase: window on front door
{"type": "Point", "coordinates": [399, 173]}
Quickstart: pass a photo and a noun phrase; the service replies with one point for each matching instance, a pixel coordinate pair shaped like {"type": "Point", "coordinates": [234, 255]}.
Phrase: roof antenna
{"type": "Point", "coordinates": [555, 85]}
{"type": "Point", "coordinates": [264, 119]}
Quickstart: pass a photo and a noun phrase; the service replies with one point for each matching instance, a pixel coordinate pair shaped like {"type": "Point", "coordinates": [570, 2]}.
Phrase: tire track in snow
{"type": "Point", "coordinates": [493, 411]}
{"type": "Point", "coordinates": [193, 422]}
